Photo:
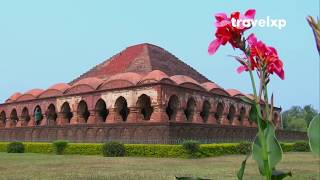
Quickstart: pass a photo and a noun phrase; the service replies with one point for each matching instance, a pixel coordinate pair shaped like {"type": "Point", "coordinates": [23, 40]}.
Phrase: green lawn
{"type": "Point", "coordinates": [44, 166]}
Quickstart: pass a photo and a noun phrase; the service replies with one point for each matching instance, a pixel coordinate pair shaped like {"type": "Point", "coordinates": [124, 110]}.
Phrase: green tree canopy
{"type": "Point", "coordinates": [298, 118]}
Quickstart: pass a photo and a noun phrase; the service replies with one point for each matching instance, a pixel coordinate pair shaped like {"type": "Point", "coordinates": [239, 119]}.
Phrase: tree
{"type": "Point", "coordinates": [298, 118]}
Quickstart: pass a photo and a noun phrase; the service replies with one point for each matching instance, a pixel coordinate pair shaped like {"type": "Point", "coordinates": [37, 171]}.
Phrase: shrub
{"type": "Point", "coordinates": [60, 146]}
{"type": "Point", "coordinates": [287, 147]}
{"type": "Point", "coordinates": [113, 149]}
{"type": "Point", "coordinates": [191, 147]}
{"type": "Point", "coordinates": [244, 147]}
{"type": "Point", "coordinates": [15, 147]}
{"type": "Point", "coordinates": [301, 146]}
{"type": "Point", "coordinates": [149, 150]}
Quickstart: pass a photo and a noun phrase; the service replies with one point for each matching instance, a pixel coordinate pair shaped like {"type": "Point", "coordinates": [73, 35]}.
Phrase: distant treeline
{"type": "Point", "coordinates": [298, 118]}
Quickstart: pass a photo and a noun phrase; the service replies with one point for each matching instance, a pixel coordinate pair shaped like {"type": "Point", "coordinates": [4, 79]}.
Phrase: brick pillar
{"type": "Point", "coordinates": [180, 116]}
{"type": "Point", "coordinates": [44, 121]}
{"type": "Point", "coordinates": [235, 121]}
{"type": "Point", "coordinates": [197, 118]}
{"type": "Point", "coordinates": [76, 119]}
{"type": "Point", "coordinates": [32, 121]}
{"type": "Point", "coordinates": [211, 118]}
{"type": "Point", "coordinates": [9, 123]}
{"type": "Point", "coordinates": [62, 119]}
{"type": "Point", "coordinates": [93, 118]}
{"type": "Point", "coordinates": [21, 122]}
{"type": "Point", "coordinates": [159, 114]}
{"type": "Point", "coordinates": [224, 120]}
{"type": "Point", "coordinates": [134, 115]}
{"type": "Point", "coordinates": [246, 122]}
{"type": "Point", "coordinates": [111, 118]}
{"type": "Point", "coordinates": [2, 123]}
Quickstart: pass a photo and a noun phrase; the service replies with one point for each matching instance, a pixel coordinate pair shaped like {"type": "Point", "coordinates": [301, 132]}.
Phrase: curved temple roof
{"type": "Point", "coordinates": [138, 64]}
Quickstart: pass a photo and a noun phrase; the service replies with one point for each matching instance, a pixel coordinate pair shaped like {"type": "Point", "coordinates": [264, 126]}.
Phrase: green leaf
{"type": "Point", "coordinates": [279, 175]}
{"type": "Point", "coordinates": [190, 178]}
{"type": "Point", "coordinates": [273, 148]}
{"type": "Point", "coordinates": [247, 100]}
{"type": "Point", "coordinates": [314, 135]}
{"type": "Point", "coordinates": [242, 168]}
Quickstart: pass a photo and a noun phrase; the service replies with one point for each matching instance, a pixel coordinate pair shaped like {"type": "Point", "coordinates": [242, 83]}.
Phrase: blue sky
{"type": "Point", "coordinates": [43, 43]}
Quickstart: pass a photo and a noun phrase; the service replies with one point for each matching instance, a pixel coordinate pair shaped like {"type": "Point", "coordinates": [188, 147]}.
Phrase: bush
{"type": "Point", "coordinates": [211, 150]}
{"type": "Point", "coordinates": [15, 147]}
{"type": "Point", "coordinates": [191, 147]}
{"type": "Point", "coordinates": [245, 147]}
{"type": "Point", "coordinates": [287, 147]}
{"type": "Point", "coordinates": [60, 146]}
{"type": "Point", "coordinates": [301, 146]}
{"type": "Point", "coordinates": [150, 150]}
{"type": "Point", "coordinates": [113, 149]}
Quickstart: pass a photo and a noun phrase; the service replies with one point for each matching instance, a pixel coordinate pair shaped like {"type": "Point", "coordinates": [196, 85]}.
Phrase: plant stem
{"type": "Point", "coordinates": [261, 135]}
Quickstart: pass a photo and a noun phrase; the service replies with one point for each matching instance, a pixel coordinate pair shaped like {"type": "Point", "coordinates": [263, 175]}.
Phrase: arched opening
{"type": "Point", "coordinates": [3, 118]}
{"type": "Point", "coordinates": [83, 112]}
{"type": "Point", "coordinates": [66, 112]}
{"type": "Point", "coordinates": [190, 110]}
{"type": "Point", "coordinates": [122, 108]}
{"type": "Point", "coordinates": [102, 111]}
{"type": "Point", "coordinates": [205, 111]}
{"type": "Point", "coordinates": [38, 115]}
{"type": "Point", "coordinates": [231, 114]}
{"type": "Point", "coordinates": [242, 114]}
{"type": "Point", "coordinates": [172, 107]}
{"type": "Point", "coordinates": [25, 115]}
{"type": "Point", "coordinates": [275, 119]}
{"type": "Point", "coordinates": [144, 104]}
{"type": "Point", "coordinates": [219, 112]}
{"type": "Point", "coordinates": [252, 115]}
{"type": "Point", "coordinates": [14, 117]}
{"type": "Point", "coordinates": [51, 114]}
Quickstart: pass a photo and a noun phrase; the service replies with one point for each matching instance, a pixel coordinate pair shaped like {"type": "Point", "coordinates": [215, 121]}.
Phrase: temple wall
{"type": "Point", "coordinates": [168, 133]}
{"type": "Point", "coordinates": [155, 112]}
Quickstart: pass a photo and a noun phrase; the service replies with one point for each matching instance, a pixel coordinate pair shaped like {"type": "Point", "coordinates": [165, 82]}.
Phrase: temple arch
{"type": "Point", "coordinates": [205, 110]}
{"type": "Point", "coordinates": [66, 111]}
{"type": "Point", "coordinates": [191, 109]}
{"type": "Point", "coordinates": [242, 114]}
{"type": "Point", "coordinates": [122, 108]}
{"type": "Point", "coordinates": [51, 114]}
{"type": "Point", "coordinates": [25, 117]}
{"type": "Point", "coordinates": [14, 117]}
{"type": "Point", "coordinates": [83, 112]}
{"type": "Point", "coordinates": [219, 112]}
{"type": "Point", "coordinates": [101, 110]}
{"type": "Point", "coordinates": [172, 107]}
{"type": "Point", "coordinates": [275, 119]}
{"type": "Point", "coordinates": [231, 114]}
{"type": "Point", "coordinates": [144, 104]}
{"type": "Point", "coordinates": [38, 116]}
{"type": "Point", "coordinates": [252, 115]}
{"type": "Point", "coordinates": [3, 118]}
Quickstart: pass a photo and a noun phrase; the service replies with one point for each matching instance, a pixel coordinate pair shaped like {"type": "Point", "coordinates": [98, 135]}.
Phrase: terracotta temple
{"type": "Point", "coordinates": [143, 94]}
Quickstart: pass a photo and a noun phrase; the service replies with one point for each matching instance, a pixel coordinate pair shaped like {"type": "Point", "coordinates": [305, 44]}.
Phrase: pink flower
{"type": "Point", "coordinates": [226, 32]}
{"type": "Point", "coordinates": [263, 56]}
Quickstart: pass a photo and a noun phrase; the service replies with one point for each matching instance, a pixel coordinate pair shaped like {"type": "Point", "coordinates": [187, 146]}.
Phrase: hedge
{"type": "Point", "coordinates": [143, 150]}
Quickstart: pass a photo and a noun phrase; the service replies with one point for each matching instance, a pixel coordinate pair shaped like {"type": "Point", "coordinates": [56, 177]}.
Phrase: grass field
{"type": "Point", "coordinates": [44, 166]}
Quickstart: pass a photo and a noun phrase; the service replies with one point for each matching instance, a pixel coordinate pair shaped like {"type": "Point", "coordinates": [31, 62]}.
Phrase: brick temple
{"type": "Point", "coordinates": [143, 94]}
